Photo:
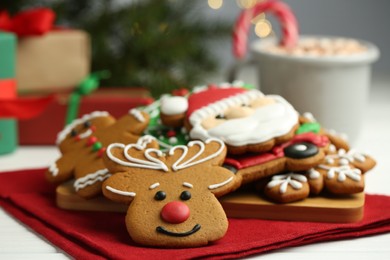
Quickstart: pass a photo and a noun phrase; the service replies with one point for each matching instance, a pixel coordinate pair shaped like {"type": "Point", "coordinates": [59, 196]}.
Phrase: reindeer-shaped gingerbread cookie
{"type": "Point", "coordinates": [172, 194]}
{"type": "Point", "coordinates": [83, 143]}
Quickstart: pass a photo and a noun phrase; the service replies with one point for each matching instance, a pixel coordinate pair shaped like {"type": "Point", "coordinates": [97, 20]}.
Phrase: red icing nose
{"type": "Point", "coordinates": [175, 212]}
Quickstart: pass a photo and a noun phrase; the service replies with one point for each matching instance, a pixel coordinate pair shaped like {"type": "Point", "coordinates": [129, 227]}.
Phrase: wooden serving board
{"type": "Point", "coordinates": [243, 204]}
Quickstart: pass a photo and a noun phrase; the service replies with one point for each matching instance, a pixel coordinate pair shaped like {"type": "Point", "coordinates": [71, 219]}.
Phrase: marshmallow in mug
{"type": "Point", "coordinates": [320, 47]}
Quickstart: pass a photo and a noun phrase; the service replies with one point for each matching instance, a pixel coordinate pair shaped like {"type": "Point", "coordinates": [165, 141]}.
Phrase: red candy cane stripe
{"type": "Point", "coordinates": [280, 10]}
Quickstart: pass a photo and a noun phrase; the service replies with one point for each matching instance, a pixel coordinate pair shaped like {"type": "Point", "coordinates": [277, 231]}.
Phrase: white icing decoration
{"type": "Point", "coordinates": [62, 135]}
{"type": "Point", "coordinates": [85, 134]}
{"type": "Point", "coordinates": [153, 163]}
{"type": "Point", "coordinates": [188, 185]}
{"type": "Point", "coordinates": [347, 157]}
{"type": "Point", "coordinates": [264, 124]}
{"type": "Point", "coordinates": [120, 192]}
{"type": "Point", "coordinates": [193, 160]}
{"type": "Point", "coordinates": [293, 179]}
{"type": "Point", "coordinates": [137, 114]}
{"type": "Point", "coordinates": [313, 174]}
{"type": "Point", "coordinates": [215, 186]}
{"type": "Point", "coordinates": [173, 105]}
{"type": "Point", "coordinates": [343, 161]}
{"type": "Point", "coordinates": [343, 172]}
{"type": "Point", "coordinates": [154, 185]}
{"type": "Point", "coordinates": [53, 169]}
{"type": "Point", "coordinates": [332, 148]}
{"type": "Point", "coordinates": [145, 140]}
{"type": "Point", "coordinates": [329, 160]}
{"type": "Point", "coordinates": [91, 178]}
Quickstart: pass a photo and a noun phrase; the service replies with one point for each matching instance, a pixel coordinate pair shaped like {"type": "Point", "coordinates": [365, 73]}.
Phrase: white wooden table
{"type": "Point", "coordinates": [19, 242]}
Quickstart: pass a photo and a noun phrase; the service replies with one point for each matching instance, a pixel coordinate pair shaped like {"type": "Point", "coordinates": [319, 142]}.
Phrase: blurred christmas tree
{"type": "Point", "coordinates": [160, 44]}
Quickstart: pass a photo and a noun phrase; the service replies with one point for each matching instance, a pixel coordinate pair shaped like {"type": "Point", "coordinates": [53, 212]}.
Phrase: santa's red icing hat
{"type": "Point", "coordinates": [212, 100]}
{"type": "Point", "coordinates": [209, 96]}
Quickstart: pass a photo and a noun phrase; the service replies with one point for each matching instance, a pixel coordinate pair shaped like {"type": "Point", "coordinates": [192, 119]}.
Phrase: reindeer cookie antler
{"type": "Point", "coordinates": [172, 194]}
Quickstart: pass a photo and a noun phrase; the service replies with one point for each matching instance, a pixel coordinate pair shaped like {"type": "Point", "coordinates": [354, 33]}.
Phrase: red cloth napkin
{"type": "Point", "coordinates": [93, 235]}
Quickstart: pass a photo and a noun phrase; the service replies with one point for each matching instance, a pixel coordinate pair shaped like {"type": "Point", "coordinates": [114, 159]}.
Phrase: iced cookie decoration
{"type": "Point", "coordinates": [245, 119]}
{"type": "Point", "coordinates": [83, 143]}
{"type": "Point", "coordinates": [172, 194]}
{"type": "Point", "coordinates": [341, 173]}
{"type": "Point", "coordinates": [303, 152]}
{"type": "Point", "coordinates": [287, 187]}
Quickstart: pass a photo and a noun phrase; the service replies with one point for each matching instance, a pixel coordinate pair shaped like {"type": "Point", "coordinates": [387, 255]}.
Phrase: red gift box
{"type": "Point", "coordinates": [49, 58]}
{"type": "Point", "coordinates": [42, 130]}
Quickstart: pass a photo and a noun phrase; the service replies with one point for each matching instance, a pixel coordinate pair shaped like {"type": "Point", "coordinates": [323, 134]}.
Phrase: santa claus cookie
{"type": "Point", "coordinates": [245, 119]}
{"type": "Point", "coordinates": [83, 143]}
{"type": "Point", "coordinates": [172, 194]}
{"type": "Point", "coordinates": [340, 173]}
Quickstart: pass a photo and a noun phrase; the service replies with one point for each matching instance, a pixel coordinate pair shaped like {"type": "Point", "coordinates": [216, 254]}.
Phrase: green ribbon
{"type": "Point", "coordinates": [86, 87]}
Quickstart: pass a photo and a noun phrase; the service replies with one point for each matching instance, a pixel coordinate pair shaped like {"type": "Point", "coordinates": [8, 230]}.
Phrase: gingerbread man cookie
{"type": "Point", "coordinates": [83, 143]}
{"type": "Point", "coordinates": [172, 195]}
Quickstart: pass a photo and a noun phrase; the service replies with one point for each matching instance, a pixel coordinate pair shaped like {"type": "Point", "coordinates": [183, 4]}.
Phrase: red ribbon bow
{"type": "Point", "coordinates": [27, 23]}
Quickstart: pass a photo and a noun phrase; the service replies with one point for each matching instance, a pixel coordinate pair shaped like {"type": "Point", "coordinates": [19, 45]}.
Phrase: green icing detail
{"type": "Point", "coordinates": [309, 127]}
{"type": "Point", "coordinates": [96, 146]}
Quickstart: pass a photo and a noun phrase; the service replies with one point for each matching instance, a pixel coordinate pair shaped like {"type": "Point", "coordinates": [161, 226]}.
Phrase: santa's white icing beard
{"type": "Point", "coordinates": [266, 122]}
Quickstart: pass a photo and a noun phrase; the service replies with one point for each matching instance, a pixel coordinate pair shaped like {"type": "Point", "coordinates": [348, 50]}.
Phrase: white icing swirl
{"type": "Point", "coordinates": [156, 164]}
{"type": "Point", "coordinates": [194, 159]}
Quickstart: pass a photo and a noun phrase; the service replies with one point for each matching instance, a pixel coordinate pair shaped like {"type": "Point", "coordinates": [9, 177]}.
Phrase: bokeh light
{"type": "Point", "coordinates": [263, 28]}
{"type": "Point", "coordinates": [215, 4]}
{"type": "Point", "coordinates": [246, 3]}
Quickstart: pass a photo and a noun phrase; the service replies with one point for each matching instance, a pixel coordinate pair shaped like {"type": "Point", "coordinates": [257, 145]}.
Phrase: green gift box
{"type": "Point", "coordinates": [8, 126]}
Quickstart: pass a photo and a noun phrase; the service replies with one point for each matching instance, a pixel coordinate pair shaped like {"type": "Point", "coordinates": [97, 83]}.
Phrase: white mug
{"type": "Point", "coordinates": [333, 88]}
